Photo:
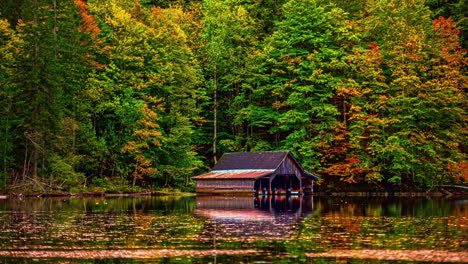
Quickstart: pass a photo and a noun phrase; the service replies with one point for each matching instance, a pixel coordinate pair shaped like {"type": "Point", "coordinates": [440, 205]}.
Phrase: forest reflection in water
{"type": "Point", "coordinates": [254, 218]}
{"type": "Point", "coordinates": [227, 229]}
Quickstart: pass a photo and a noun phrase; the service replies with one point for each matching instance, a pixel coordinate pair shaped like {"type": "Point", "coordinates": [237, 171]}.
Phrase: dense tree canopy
{"type": "Point", "coordinates": [120, 94]}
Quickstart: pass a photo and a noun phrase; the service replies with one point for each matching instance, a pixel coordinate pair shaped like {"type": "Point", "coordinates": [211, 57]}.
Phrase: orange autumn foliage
{"type": "Point", "coordinates": [459, 171]}
{"type": "Point", "coordinates": [146, 136]}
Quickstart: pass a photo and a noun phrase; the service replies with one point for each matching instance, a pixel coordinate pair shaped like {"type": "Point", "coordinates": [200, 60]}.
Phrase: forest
{"type": "Point", "coordinates": [125, 95]}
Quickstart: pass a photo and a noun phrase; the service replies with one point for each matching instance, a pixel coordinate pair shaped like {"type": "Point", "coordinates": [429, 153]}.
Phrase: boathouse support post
{"type": "Point", "coordinates": [300, 186]}
{"type": "Point", "coordinates": [269, 189]}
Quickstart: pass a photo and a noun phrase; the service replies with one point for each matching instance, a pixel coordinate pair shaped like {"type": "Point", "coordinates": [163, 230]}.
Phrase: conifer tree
{"type": "Point", "coordinates": [303, 61]}
{"type": "Point", "coordinates": [9, 43]}
{"type": "Point", "coordinates": [46, 79]}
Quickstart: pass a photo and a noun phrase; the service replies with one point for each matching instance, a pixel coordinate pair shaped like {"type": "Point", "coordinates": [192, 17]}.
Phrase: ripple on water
{"type": "Point", "coordinates": [139, 224]}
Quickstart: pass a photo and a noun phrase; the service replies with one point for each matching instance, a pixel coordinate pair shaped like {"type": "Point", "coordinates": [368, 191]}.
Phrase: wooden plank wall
{"type": "Point", "coordinates": [289, 167]}
{"type": "Point", "coordinates": [225, 185]}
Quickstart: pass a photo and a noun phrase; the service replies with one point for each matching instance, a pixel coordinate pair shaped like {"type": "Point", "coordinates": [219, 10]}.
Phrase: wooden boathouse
{"type": "Point", "coordinates": [269, 172]}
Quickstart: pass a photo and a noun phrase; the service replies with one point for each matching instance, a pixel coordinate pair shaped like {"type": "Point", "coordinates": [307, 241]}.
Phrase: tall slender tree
{"type": "Point", "coordinates": [229, 39]}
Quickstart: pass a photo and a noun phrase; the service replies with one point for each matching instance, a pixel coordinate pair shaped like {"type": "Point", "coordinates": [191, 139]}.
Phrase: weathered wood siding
{"type": "Point", "coordinates": [247, 172]}
{"type": "Point", "coordinates": [289, 167]}
{"type": "Point", "coordinates": [225, 185]}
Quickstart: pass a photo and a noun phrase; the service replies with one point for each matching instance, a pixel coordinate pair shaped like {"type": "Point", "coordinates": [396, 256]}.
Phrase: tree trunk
{"type": "Point", "coordinates": [5, 149]}
{"type": "Point", "coordinates": [135, 175]}
{"type": "Point", "coordinates": [55, 28]}
{"type": "Point", "coordinates": [215, 114]}
{"type": "Point", "coordinates": [36, 107]}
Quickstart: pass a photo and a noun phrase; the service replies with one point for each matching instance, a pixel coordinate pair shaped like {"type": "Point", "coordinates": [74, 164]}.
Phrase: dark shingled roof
{"type": "Point", "coordinates": [251, 160]}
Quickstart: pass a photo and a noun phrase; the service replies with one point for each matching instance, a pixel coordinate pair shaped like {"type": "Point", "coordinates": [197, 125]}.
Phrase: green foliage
{"type": "Point", "coordinates": [8, 52]}
{"type": "Point", "coordinates": [63, 173]}
{"type": "Point", "coordinates": [112, 185]}
{"type": "Point", "coordinates": [456, 9]}
{"type": "Point", "coordinates": [144, 93]}
{"type": "Point", "coordinates": [299, 76]}
{"type": "Point", "coordinates": [151, 93]}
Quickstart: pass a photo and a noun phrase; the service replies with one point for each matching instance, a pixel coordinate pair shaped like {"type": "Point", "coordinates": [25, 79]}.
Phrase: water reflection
{"type": "Point", "coordinates": [96, 222]}
{"type": "Point", "coordinates": [280, 229]}
{"type": "Point", "coordinates": [386, 223]}
{"type": "Point", "coordinates": [391, 207]}
{"type": "Point", "coordinates": [251, 217]}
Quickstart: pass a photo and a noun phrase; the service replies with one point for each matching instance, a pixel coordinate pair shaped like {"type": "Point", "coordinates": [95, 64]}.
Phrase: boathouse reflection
{"type": "Point", "coordinates": [250, 217]}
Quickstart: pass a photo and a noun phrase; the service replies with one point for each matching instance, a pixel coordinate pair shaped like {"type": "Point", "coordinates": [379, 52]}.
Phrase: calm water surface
{"type": "Point", "coordinates": [240, 229]}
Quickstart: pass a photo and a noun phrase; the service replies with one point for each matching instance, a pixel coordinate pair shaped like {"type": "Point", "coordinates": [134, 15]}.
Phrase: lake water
{"type": "Point", "coordinates": [234, 230]}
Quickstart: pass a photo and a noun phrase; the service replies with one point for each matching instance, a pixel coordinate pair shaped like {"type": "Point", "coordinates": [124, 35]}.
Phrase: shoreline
{"type": "Point", "coordinates": [433, 194]}
{"type": "Point", "coordinates": [445, 194]}
{"type": "Point", "coordinates": [93, 195]}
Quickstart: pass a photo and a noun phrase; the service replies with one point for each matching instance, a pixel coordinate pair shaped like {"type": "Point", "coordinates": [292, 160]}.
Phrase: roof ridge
{"type": "Point", "coordinates": [257, 151]}
{"type": "Point", "coordinates": [284, 158]}
{"type": "Point", "coordinates": [241, 170]}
